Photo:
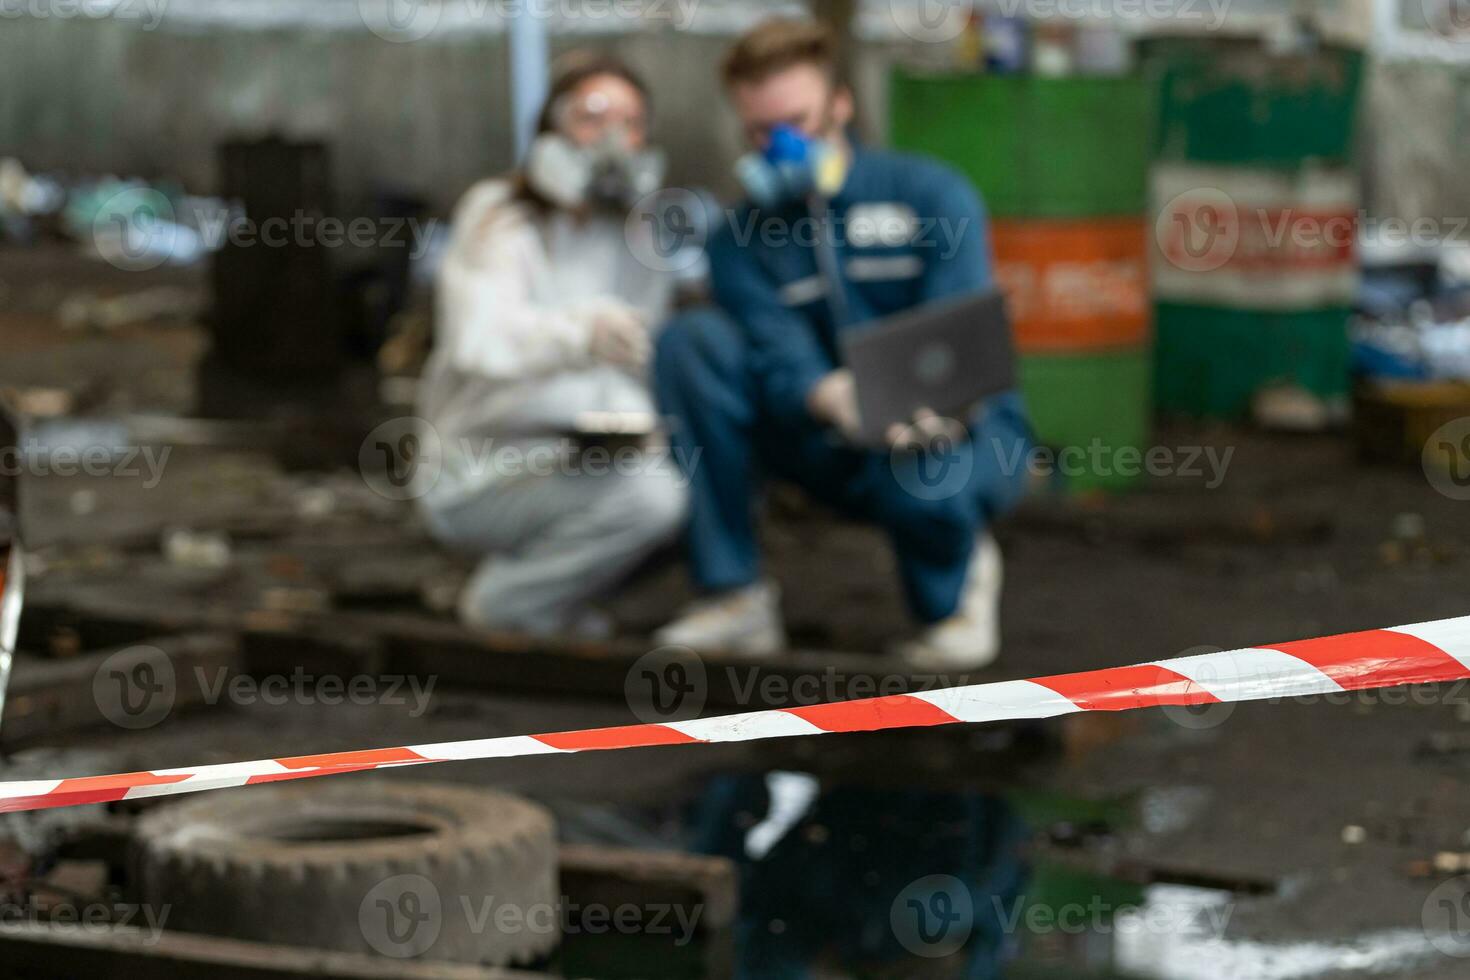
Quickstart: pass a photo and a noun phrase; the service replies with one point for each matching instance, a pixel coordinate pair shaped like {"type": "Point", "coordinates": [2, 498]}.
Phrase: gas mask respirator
{"type": "Point", "coordinates": [792, 167]}
{"type": "Point", "coordinates": [606, 174]}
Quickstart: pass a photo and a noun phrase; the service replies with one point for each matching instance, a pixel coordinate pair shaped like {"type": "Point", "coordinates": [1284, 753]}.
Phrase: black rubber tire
{"type": "Point", "coordinates": [332, 864]}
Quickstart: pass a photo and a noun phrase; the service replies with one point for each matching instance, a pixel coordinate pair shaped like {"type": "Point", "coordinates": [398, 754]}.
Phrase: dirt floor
{"type": "Point", "coordinates": [1326, 806]}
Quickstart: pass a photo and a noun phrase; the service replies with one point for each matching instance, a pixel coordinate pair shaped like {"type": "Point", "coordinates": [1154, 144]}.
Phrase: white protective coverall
{"type": "Point", "coordinates": [510, 373]}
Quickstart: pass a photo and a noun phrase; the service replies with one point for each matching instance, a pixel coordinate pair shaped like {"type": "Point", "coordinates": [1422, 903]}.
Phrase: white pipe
{"type": "Point", "coordinates": [530, 72]}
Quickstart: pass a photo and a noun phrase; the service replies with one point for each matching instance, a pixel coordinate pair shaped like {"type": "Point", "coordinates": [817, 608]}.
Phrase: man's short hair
{"type": "Point", "coordinates": [776, 44]}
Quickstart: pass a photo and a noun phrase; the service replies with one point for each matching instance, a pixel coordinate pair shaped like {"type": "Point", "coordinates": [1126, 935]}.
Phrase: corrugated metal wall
{"type": "Point", "coordinates": [94, 96]}
{"type": "Point", "coordinates": [1416, 142]}
{"type": "Point", "coordinates": [431, 116]}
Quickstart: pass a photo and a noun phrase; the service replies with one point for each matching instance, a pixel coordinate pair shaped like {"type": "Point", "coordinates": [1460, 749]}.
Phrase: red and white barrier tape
{"type": "Point", "coordinates": [1420, 654]}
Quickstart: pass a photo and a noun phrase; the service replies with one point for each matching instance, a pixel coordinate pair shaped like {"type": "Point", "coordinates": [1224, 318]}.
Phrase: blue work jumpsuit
{"type": "Point", "coordinates": [733, 382]}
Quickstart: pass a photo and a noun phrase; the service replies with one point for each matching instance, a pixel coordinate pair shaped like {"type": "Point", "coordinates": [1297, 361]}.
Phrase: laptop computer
{"type": "Point", "coordinates": [946, 355]}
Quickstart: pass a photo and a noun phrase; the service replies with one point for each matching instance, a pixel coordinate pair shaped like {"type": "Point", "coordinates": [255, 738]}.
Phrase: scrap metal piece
{"type": "Point", "coordinates": [12, 591]}
{"type": "Point", "coordinates": [12, 561]}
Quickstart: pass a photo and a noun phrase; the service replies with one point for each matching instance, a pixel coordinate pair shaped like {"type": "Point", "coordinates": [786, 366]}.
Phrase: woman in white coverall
{"type": "Point", "coordinates": [545, 314]}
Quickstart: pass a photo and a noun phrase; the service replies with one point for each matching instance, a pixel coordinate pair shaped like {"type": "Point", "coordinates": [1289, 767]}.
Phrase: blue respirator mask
{"type": "Point", "coordinates": [792, 167]}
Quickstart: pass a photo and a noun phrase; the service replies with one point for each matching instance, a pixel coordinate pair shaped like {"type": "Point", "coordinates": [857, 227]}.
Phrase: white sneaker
{"type": "Point", "coordinates": [746, 620]}
{"type": "Point", "coordinates": [970, 638]}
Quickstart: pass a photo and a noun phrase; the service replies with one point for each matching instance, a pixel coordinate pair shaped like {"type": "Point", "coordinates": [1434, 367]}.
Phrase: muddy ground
{"type": "Point", "coordinates": [1327, 805]}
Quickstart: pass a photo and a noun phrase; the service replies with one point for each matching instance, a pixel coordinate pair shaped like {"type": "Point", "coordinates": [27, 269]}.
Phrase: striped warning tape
{"type": "Point", "coordinates": [1420, 654]}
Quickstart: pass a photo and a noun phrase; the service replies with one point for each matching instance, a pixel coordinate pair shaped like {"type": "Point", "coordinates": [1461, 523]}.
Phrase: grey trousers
{"type": "Point", "coordinates": [550, 543]}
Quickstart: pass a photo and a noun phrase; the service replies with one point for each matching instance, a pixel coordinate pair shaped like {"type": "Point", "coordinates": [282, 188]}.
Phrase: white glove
{"type": "Point", "coordinates": [619, 337]}
{"type": "Point", "coordinates": [926, 432]}
{"type": "Point", "coordinates": [834, 400]}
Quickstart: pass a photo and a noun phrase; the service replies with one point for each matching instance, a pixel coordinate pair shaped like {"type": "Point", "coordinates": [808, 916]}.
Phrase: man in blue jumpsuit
{"type": "Point", "coordinates": [841, 236]}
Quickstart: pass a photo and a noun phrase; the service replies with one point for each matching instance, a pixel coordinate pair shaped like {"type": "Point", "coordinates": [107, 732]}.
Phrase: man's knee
{"type": "Point", "coordinates": [929, 505]}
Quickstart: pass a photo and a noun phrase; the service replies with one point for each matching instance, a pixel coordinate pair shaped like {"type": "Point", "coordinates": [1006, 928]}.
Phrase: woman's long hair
{"type": "Point", "coordinates": [571, 70]}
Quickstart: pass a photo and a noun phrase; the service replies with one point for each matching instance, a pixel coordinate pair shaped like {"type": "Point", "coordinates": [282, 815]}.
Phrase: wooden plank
{"type": "Point", "coordinates": [635, 875]}
{"type": "Point", "coordinates": [352, 642]}
{"type": "Point", "coordinates": [501, 662]}
{"type": "Point", "coordinates": [50, 696]}
{"type": "Point", "coordinates": [51, 951]}
{"type": "Point", "coordinates": [349, 644]}
{"type": "Point", "coordinates": [105, 617]}
{"type": "Point", "coordinates": [671, 887]}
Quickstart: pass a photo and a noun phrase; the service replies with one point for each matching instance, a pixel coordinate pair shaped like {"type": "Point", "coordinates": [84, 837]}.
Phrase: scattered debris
{"type": "Point", "coordinates": [314, 503]}
{"type": "Point", "coordinates": [197, 549]}
{"type": "Point", "coordinates": [1428, 342]}
{"type": "Point", "coordinates": [85, 311]}
{"type": "Point", "coordinates": [1451, 862]}
{"type": "Point", "coordinates": [1292, 408]}
{"type": "Point", "coordinates": [133, 224]}
{"type": "Point", "coordinates": [290, 600]}
{"type": "Point", "coordinates": [83, 502]}
{"type": "Point", "coordinates": [24, 197]}
{"type": "Point", "coordinates": [1169, 809]}
{"type": "Point", "coordinates": [42, 402]}
{"type": "Point", "coordinates": [1410, 544]}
